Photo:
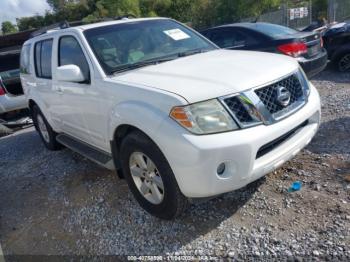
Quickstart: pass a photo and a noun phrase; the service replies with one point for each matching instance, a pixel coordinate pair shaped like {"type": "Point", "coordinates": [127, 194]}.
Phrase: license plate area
{"type": "Point", "coordinates": [313, 50]}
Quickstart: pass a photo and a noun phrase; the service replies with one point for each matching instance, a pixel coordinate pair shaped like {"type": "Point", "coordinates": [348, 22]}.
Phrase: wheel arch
{"type": "Point", "coordinates": [120, 133]}
{"type": "Point", "coordinates": [42, 108]}
{"type": "Point", "coordinates": [339, 53]}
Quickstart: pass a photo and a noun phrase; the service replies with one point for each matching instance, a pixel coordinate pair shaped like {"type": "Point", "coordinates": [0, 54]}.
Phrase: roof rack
{"type": "Point", "coordinates": [124, 17]}
{"type": "Point", "coordinates": [44, 30]}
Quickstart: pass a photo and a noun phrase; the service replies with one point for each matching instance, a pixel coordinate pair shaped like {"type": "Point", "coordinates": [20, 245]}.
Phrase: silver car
{"type": "Point", "coordinates": [11, 92]}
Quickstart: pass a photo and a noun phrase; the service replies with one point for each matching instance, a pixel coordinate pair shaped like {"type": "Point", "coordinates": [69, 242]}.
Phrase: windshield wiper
{"type": "Point", "coordinates": [141, 64]}
{"type": "Point", "coordinates": [128, 67]}
{"type": "Point", "coordinates": [192, 52]}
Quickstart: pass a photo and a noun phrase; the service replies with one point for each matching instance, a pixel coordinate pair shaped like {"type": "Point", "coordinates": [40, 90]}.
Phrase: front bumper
{"type": "Point", "coordinates": [10, 103]}
{"type": "Point", "coordinates": [315, 65]}
{"type": "Point", "coordinates": [194, 159]}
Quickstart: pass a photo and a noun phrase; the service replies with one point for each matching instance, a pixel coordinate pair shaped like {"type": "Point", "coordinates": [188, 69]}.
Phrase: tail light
{"type": "Point", "coordinates": [2, 88]}
{"type": "Point", "coordinates": [322, 43]}
{"type": "Point", "coordinates": [293, 49]}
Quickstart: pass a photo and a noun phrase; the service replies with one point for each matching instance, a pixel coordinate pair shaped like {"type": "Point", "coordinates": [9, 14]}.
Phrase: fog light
{"type": "Point", "coordinates": [221, 169]}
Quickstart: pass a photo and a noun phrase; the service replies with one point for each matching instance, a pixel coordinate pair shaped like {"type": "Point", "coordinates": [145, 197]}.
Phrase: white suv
{"type": "Point", "coordinates": [177, 117]}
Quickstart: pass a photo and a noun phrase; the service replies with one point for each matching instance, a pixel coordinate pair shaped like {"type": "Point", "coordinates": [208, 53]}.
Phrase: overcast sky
{"type": "Point", "coordinates": [10, 9]}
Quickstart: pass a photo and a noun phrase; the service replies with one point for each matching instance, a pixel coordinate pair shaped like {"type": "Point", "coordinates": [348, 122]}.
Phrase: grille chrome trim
{"type": "Point", "coordinates": [256, 108]}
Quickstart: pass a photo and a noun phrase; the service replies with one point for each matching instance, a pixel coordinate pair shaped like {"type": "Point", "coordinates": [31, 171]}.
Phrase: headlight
{"type": "Point", "coordinates": [304, 81]}
{"type": "Point", "coordinates": [204, 118]}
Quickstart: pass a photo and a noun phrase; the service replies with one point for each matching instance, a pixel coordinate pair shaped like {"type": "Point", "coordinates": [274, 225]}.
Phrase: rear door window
{"type": "Point", "coordinates": [231, 37]}
{"type": "Point", "coordinates": [223, 38]}
{"type": "Point", "coordinates": [43, 58]}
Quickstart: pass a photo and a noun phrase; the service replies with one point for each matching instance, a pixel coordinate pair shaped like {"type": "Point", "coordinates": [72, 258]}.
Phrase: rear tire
{"type": "Point", "coordinates": [342, 63]}
{"type": "Point", "coordinates": [150, 177]}
{"type": "Point", "coordinates": [48, 136]}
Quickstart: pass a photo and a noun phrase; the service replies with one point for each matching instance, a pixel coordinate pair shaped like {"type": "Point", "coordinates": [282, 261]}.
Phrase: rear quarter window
{"type": "Point", "coordinates": [25, 60]}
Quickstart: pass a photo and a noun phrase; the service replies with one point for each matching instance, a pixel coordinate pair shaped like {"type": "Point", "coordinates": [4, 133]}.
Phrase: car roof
{"type": "Point", "coordinates": [53, 32]}
{"type": "Point", "coordinates": [115, 22]}
{"type": "Point", "coordinates": [249, 25]}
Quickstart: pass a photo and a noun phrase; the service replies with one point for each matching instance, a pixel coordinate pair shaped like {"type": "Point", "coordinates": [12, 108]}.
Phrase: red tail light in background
{"type": "Point", "coordinates": [293, 49]}
{"type": "Point", "coordinates": [2, 89]}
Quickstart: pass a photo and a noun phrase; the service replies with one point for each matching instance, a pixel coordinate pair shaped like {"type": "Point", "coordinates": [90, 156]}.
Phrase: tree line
{"type": "Point", "coordinates": [199, 13]}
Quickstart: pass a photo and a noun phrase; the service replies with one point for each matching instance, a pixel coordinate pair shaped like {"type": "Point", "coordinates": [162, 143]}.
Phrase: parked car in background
{"type": "Point", "coordinates": [337, 42]}
{"type": "Point", "coordinates": [319, 26]}
{"type": "Point", "coordinates": [12, 100]}
{"type": "Point", "coordinates": [11, 93]}
{"type": "Point", "coordinates": [176, 116]}
{"type": "Point", "coordinates": [305, 47]}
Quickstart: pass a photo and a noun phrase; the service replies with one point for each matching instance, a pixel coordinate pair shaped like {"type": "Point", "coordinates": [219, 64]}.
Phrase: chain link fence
{"type": "Point", "coordinates": [295, 15]}
{"type": "Point", "coordinates": [338, 10]}
{"type": "Point", "coordinates": [300, 14]}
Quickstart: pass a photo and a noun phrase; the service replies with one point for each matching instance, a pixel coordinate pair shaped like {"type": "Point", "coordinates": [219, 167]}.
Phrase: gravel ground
{"type": "Point", "coordinates": [58, 203]}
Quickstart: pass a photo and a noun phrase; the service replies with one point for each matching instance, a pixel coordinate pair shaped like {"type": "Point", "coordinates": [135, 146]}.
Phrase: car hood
{"type": "Point", "coordinates": [213, 74]}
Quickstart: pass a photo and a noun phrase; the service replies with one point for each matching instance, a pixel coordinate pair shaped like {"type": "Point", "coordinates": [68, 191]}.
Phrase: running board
{"type": "Point", "coordinates": [96, 155]}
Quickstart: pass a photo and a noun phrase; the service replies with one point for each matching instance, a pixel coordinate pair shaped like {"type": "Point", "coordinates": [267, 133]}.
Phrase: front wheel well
{"type": "Point", "coordinates": [339, 55]}
{"type": "Point", "coordinates": [120, 133]}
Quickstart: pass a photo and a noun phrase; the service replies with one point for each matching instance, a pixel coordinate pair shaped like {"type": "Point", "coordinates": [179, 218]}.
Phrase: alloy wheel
{"type": "Point", "coordinates": [43, 129]}
{"type": "Point", "coordinates": [146, 177]}
{"type": "Point", "coordinates": [344, 63]}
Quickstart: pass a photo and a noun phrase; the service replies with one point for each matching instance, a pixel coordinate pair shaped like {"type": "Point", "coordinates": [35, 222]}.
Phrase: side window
{"type": "Point", "coordinates": [244, 39]}
{"type": "Point", "coordinates": [43, 57]}
{"type": "Point", "coordinates": [223, 38]}
{"type": "Point", "coordinates": [226, 38]}
{"type": "Point", "coordinates": [24, 60]}
{"type": "Point", "coordinates": [70, 53]}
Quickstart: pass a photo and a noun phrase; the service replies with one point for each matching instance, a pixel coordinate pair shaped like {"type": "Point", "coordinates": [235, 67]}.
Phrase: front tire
{"type": "Point", "coordinates": [150, 177]}
{"type": "Point", "coordinates": [48, 136]}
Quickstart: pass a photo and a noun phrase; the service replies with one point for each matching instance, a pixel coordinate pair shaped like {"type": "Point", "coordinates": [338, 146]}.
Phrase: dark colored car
{"type": "Point", "coordinates": [337, 42]}
{"type": "Point", "coordinates": [306, 47]}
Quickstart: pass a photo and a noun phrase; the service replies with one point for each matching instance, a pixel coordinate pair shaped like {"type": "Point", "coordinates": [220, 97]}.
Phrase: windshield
{"type": "Point", "coordinates": [274, 31]}
{"type": "Point", "coordinates": [120, 45]}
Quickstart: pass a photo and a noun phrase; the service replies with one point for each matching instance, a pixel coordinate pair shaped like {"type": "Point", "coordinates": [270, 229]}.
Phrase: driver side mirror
{"type": "Point", "coordinates": [70, 73]}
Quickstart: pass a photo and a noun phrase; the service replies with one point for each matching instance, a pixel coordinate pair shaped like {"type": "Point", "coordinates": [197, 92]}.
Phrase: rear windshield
{"type": "Point", "coordinates": [121, 45]}
{"type": "Point", "coordinates": [274, 31]}
{"type": "Point", "coordinates": [9, 66]}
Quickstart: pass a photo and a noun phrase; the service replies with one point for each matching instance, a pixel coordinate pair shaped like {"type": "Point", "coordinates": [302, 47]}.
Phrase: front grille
{"type": "Point", "coordinates": [268, 94]}
{"type": "Point", "coordinates": [237, 108]}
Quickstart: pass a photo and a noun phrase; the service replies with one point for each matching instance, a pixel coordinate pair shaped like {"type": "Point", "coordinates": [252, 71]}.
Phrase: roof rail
{"type": "Point", "coordinates": [66, 24]}
{"type": "Point", "coordinates": [124, 17]}
{"type": "Point", "coordinates": [44, 30]}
